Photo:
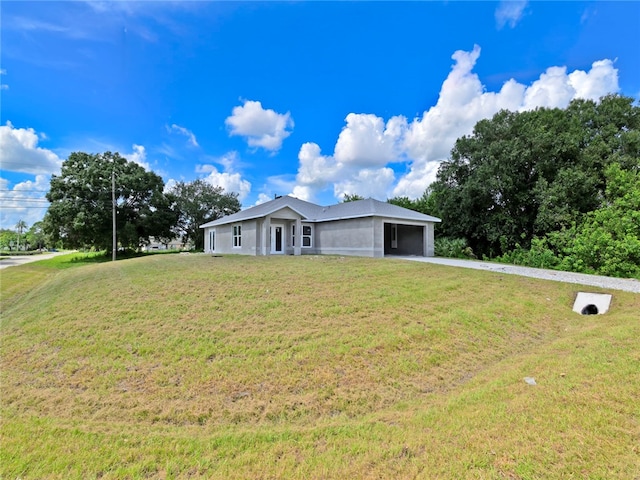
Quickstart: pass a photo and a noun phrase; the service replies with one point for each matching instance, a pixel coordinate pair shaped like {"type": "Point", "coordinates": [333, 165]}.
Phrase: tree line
{"type": "Point", "coordinates": [23, 237]}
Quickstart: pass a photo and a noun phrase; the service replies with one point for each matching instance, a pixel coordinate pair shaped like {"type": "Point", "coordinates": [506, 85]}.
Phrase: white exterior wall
{"type": "Point", "coordinates": [250, 240]}
{"type": "Point", "coordinates": [358, 236]}
{"type": "Point", "coordinates": [224, 239]}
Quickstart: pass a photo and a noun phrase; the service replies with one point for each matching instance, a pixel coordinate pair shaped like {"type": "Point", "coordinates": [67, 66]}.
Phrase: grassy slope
{"type": "Point", "coordinates": [311, 367]}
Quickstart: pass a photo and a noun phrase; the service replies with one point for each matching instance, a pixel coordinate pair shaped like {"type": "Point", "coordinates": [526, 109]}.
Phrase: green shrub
{"type": "Point", "coordinates": [540, 255]}
{"type": "Point", "coordinates": [453, 248]}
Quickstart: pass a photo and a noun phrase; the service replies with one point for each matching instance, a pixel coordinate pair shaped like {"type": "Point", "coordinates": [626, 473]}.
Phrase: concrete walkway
{"type": "Point", "coordinates": [626, 284]}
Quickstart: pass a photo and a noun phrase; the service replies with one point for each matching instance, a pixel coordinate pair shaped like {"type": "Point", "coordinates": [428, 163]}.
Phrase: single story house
{"type": "Point", "coordinates": [173, 244]}
{"type": "Point", "coordinates": [291, 226]}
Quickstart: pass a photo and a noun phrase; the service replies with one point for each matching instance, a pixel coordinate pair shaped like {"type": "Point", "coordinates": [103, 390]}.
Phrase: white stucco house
{"type": "Point", "coordinates": [290, 226]}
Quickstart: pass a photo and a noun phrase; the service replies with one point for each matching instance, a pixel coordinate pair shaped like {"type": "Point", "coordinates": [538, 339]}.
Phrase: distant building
{"type": "Point", "coordinates": [174, 244]}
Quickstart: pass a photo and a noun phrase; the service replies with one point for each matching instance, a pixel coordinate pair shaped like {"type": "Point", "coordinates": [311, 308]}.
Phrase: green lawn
{"type": "Point", "coordinates": [193, 366]}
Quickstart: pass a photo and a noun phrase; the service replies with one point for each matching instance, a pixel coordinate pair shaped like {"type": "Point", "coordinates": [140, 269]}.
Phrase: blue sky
{"type": "Point", "coordinates": [314, 99]}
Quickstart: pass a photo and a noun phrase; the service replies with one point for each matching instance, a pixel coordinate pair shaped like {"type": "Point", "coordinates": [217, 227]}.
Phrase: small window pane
{"type": "Point", "coordinates": [306, 241]}
{"type": "Point", "coordinates": [306, 230]}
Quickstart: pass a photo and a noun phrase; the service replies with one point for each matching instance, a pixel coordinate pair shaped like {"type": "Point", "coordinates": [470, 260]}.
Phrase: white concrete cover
{"type": "Point", "coordinates": [600, 300]}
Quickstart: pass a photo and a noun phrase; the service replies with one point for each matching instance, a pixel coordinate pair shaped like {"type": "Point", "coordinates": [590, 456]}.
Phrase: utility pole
{"type": "Point", "coordinates": [113, 213]}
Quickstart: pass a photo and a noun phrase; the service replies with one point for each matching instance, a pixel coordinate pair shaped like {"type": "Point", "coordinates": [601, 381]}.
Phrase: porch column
{"type": "Point", "coordinates": [297, 248]}
{"type": "Point", "coordinates": [266, 235]}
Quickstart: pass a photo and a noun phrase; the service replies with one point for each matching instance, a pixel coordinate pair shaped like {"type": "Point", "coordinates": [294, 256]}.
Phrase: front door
{"type": "Point", "coordinates": [276, 238]}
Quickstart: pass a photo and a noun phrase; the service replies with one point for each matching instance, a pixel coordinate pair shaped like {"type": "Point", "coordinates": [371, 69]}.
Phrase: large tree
{"type": "Point", "coordinates": [80, 213]}
{"type": "Point", "coordinates": [525, 174]}
{"type": "Point", "coordinates": [36, 237]}
{"type": "Point", "coordinates": [8, 239]}
{"type": "Point", "coordinates": [199, 202]}
{"type": "Point", "coordinates": [425, 204]}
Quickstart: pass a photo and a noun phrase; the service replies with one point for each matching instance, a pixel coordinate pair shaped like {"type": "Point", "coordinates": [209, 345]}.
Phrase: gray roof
{"type": "Point", "coordinates": [311, 212]}
{"type": "Point", "coordinates": [304, 209]}
{"type": "Point", "coordinates": [371, 208]}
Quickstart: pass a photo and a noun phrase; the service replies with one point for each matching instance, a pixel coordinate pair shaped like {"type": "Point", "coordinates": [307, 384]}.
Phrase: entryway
{"type": "Point", "coordinates": [277, 238]}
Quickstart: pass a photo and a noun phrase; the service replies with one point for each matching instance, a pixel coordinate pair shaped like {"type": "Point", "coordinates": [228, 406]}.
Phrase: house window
{"type": "Point", "coordinates": [237, 236]}
{"type": "Point", "coordinates": [306, 236]}
{"type": "Point", "coordinates": [212, 240]}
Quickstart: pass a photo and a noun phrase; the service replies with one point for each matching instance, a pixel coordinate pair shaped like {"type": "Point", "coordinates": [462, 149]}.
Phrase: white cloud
{"type": "Point", "coordinates": [20, 152]}
{"type": "Point", "coordinates": [556, 88]}
{"type": "Point", "coordinates": [366, 183]}
{"type": "Point", "coordinates": [229, 179]}
{"type": "Point", "coordinates": [367, 141]}
{"type": "Point", "coordinates": [364, 147]}
{"type": "Point", "coordinates": [366, 144]}
{"type": "Point", "coordinates": [316, 170]}
{"type": "Point", "coordinates": [191, 138]}
{"type": "Point", "coordinates": [414, 183]}
{"type": "Point", "coordinates": [261, 128]}
{"type": "Point", "coordinates": [549, 90]}
{"type": "Point", "coordinates": [303, 192]}
{"type": "Point", "coordinates": [262, 198]}
{"type": "Point", "coordinates": [602, 78]}
{"type": "Point", "coordinates": [230, 182]}
{"type": "Point", "coordinates": [24, 201]}
{"type": "Point", "coordinates": [510, 12]}
{"type": "Point", "coordinates": [139, 156]}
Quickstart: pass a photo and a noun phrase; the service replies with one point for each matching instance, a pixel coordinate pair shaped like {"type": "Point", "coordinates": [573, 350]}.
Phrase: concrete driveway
{"type": "Point", "coordinates": [613, 283]}
{"type": "Point", "coordinates": [22, 259]}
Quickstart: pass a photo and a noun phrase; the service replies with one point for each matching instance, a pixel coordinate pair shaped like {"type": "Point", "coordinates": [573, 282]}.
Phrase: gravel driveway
{"type": "Point", "coordinates": [626, 284]}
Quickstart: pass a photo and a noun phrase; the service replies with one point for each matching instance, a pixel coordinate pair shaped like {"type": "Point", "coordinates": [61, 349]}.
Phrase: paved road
{"type": "Point", "coordinates": [626, 284]}
{"type": "Point", "coordinates": [22, 259]}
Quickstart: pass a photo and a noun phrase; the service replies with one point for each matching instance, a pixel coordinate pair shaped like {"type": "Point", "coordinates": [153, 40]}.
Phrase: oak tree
{"type": "Point", "coordinates": [80, 213]}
